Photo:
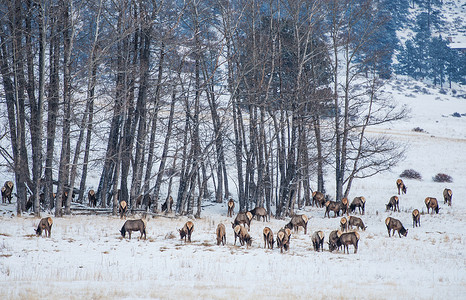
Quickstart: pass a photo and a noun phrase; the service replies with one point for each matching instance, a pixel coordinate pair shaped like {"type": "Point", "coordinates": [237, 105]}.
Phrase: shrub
{"type": "Point", "coordinates": [418, 129]}
{"type": "Point", "coordinates": [456, 114]}
{"type": "Point", "coordinates": [441, 177]}
{"type": "Point", "coordinates": [412, 174]}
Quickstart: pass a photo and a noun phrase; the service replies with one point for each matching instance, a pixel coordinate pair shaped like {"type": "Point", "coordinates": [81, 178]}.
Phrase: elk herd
{"type": "Point", "coordinates": [241, 225]}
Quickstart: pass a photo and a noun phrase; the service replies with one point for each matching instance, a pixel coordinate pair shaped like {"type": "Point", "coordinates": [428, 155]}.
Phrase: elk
{"type": "Point", "coordinates": [7, 191]}
{"type": "Point", "coordinates": [236, 231]}
{"type": "Point", "coordinates": [401, 186]}
{"type": "Point", "coordinates": [393, 203]}
{"type": "Point", "coordinates": [298, 221]}
{"type": "Point", "coordinates": [122, 208]}
{"type": "Point", "coordinates": [231, 208]}
{"type": "Point", "coordinates": [318, 199]}
{"type": "Point", "coordinates": [344, 224]}
{"type": "Point", "coordinates": [221, 234]}
{"type": "Point", "coordinates": [45, 224]}
{"type": "Point", "coordinates": [259, 212]}
{"type": "Point", "coordinates": [447, 194]}
{"type": "Point", "coordinates": [432, 202]}
{"type": "Point", "coordinates": [186, 231]}
{"type": "Point", "coordinates": [359, 202]}
{"type": "Point", "coordinates": [147, 201]}
{"type": "Point", "coordinates": [355, 221]}
{"type": "Point", "coordinates": [344, 206]}
{"type": "Point", "coordinates": [283, 239]}
{"type": "Point", "coordinates": [245, 237]}
{"type": "Point", "coordinates": [268, 238]}
{"type": "Point", "coordinates": [243, 218]}
{"type": "Point", "coordinates": [318, 240]}
{"type": "Point", "coordinates": [134, 225]}
{"type": "Point", "coordinates": [138, 201]}
{"type": "Point", "coordinates": [416, 218]}
{"type": "Point", "coordinates": [167, 206]}
{"type": "Point", "coordinates": [92, 198]}
{"type": "Point", "coordinates": [349, 238]}
{"type": "Point", "coordinates": [394, 224]}
{"type": "Point", "coordinates": [334, 240]}
{"type": "Point", "coordinates": [332, 206]}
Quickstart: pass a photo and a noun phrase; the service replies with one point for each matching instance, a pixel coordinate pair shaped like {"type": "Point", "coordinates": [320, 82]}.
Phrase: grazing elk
{"type": "Point", "coordinates": [231, 207]}
{"type": "Point", "coordinates": [268, 238]}
{"type": "Point", "coordinates": [243, 218]}
{"type": "Point", "coordinates": [7, 191]}
{"type": "Point", "coordinates": [236, 231]}
{"type": "Point", "coordinates": [244, 236]}
{"type": "Point", "coordinates": [318, 240]}
{"type": "Point", "coordinates": [259, 212]}
{"type": "Point", "coordinates": [334, 240]}
{"type": "Point", "coordinates": [122, 208]}
{"type": "Point", "coordinates": [393, 203]}
{"type": "Point", "coordinates": [332, 206]}
{"type": "Point", "coordinates": [447, 194]}
{"type": "Point", "coordinates": [283, 240]}
{"type": "Point", "coordinates": [45, 224]}
{"type": "Point", "coordinates": [416, 218]}
{"type": "Point", "coordinates": [318, 199]}
{"type": "Point", "coordinates": [134, 225]}
{"type": "Point", "coordinates": [298, 221]}
{"type": "Point", "coordinates": [186, 231]}
{"type": "Point", "coordinates": [167, 206]}
{"type": "Point", "coordinates": [221, 234]}
{"type": "Point", "coordinates": [401, 186]}
{"type": "Point", "coordinates": [394, 224]}
{"type": "Point", "coordinates": [349, 238]}
{"type": "Point", "coordinates": [355, 221]}
{"type": "Point", "coordinates": [344, 224]}
{"type": "Point", "coordinates": [359, 202]}
{"type": "Point", "coordinates": [92, 198]}
{"type": "Point", "coordinates": [344, 206]}
{"type": "Point", "coordinates": [431, 203]}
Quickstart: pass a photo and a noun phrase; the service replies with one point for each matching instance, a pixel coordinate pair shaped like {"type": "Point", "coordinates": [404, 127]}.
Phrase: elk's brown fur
{"type": "Point", "coordinates": [298, 221]}
{"type": "Point", "coordinates": [359, 202]}
{"type": "Point", "coordinates": [7, 191]}
{"type": "Point", "coordinates": [167, 206]}
{"type": "Point", "coordinates": [318, 240]}
{"type": "Point", "coordinates": [343, 224]}
{"type": "Point", "coordinates": [394, 224]}
{"type": "Point", "coordinates": [243, 218]}
{"type": "Point", "coordinates": [231, 207]}
{"type": "Point", "coordinates": [344, 206]}
{"type": "Point", "coordinates": [432, 203]}
{"type": "Point", "coordinates": [245, 238]}
{"type": "Point", "coordinates": [122, 208]}
{"type": "Point", "coordinates": [134, 225]}
{"type": "Point", "coordinates": [355, 221]}
{"type": "Point", "coordinates": [416, 218]}
{"type": "Point", "coordinates": [259, 212]}
{"type": "Point", "coordinates": [45, 224]}
{"type": "Point", "coordinates": [334, 240]}
{"type": "Point", "coordinates": [332, 206]}
{"type": "Point", "coordinates": [393, 203]}
{"type": "Point", "coordinates": [92, 198]}
{"type": "Point", "coordinates": [447, 195]}
{"type": "Point", "coordinates": [268, 238]}
{"type": "Point", "coordinates": [236, 231]}
{"type": "Point", "coordinates": [349, 238]}
{"type": "Point", "coordinates": [318, 199]}
{"type": "Point", "coordinates": [221, 234]}
{"type": "Point", "coordinates": [283, 239]}
{"type": "Point", "coordinates": [401, 186]}
{"type": "Point", "coordinates": [186, 231]}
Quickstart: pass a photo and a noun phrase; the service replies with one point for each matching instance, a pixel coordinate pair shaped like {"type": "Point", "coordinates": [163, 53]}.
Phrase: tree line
{"type": "Point", "coordinates": [197, 99]}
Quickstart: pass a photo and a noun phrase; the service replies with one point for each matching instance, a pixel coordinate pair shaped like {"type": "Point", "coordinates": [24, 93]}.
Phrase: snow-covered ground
{"type": "Point", "coordinates": [86, 257]}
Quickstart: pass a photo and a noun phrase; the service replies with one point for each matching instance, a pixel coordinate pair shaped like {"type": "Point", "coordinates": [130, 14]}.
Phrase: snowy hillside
{"type": "Point", "coordinates": [86, 257]}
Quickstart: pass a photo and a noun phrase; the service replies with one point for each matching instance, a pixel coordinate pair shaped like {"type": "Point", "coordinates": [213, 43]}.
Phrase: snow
{"type": "Point", "coordinates": [86, 257]}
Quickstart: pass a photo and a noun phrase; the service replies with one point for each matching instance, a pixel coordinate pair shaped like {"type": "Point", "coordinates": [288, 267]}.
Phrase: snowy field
{"type": "Point", "coordinates": [86, 257]}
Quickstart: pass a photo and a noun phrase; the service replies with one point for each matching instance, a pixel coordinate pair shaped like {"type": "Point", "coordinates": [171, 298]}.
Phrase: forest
{"type": "Point", "coordinates": [203, 100]}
